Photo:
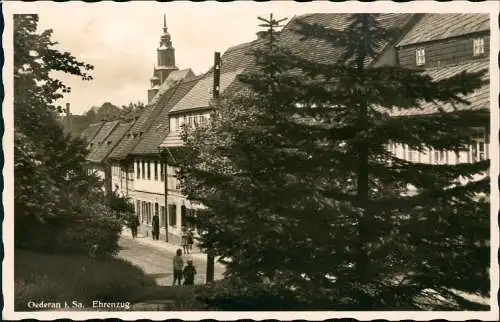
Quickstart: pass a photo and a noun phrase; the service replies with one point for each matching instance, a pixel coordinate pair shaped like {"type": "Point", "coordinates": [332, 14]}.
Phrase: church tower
{"type": "Point", "coordinates": [165, 61]}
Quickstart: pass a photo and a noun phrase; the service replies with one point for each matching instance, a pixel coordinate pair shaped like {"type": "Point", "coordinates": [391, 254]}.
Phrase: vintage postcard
{"type": "Point", "coordinates": [263, 160]}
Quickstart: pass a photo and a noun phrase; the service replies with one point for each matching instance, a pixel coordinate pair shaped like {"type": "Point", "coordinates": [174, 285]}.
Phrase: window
{"type": "Point", "coordinates": [420, 57]}
{"type": "Point", "coordinates": [156, 170]}
{"type": "Point", "coordinates": [172, 215]}
{"type": "Point", "coordinates": [143, 169]}
{"type": "Point", "coordinates": [183, 216]}
{"type": "Point", "coordinates": [413, 155]}
{"type": "Point", "coordinates": [439, 156]}
{"type": "Point", "coordinates": [138, 207]}
{"type": "Point", "coordinates": [162, 174]}
{"type": "Point", "coordinates": [157, 209]}
{"type": "Point", "coordinates": [143, 211]}
{"type": "Point", "coordinates": [478, 149]}
{"type": "Point", "coordinates": [176, 124]}
{"type": "Point", "coordinates": [149, 170]}
{"type": "Point", "coordinates": [138, 164]}
{"type": "Point", "coordinates": [478, 46]}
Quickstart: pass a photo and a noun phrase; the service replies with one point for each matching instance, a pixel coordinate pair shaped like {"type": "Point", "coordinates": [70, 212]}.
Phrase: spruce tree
{"type": "Point", "coordinates": [303, 196]}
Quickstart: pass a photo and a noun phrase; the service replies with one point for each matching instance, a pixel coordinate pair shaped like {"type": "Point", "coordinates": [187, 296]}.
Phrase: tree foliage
{"type": "Point", "coordinates": [53, 193]}
{"type": "Point", "coordinates": [302, 194]}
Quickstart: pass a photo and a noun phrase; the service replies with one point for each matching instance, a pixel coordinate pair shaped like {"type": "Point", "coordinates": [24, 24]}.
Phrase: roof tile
{"type": "Point", "coordinates": [133, 135]}
{"type": "Point", "coordinates": [479, 99]}
{"type": "Point", "coordinates": [438, 26]}
{"type": "Point", "coordinates": [103, 148]}
{"type": "Point", "coordinates": [201, 94]}
{"type": "Point", "coordinates": [103, 133]}
{"type": "Point", "coordinates": [89, 133]}
{"type": "Point", "coordinates": [160, 127]}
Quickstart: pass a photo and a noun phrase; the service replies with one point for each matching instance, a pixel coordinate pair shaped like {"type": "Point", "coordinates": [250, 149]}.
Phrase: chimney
{"type": "Point", "coordinates": [217, 66]}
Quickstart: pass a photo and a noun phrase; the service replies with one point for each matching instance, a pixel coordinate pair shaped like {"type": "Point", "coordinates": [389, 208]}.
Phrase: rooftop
{"type": "Point", "coordinates": [480, 99]}
{"type": "Point", "coordinates": [201, 94]}
{"type": "Point", "coordinates": [438, 26]}
{"type": "Point", "coordinates": [134, 134]}
{"type": "Point", "coordinates": [103, 133]}
{"type": "Point", "coordinates": [173, 78]}
{"type": "Point", "coordinates": [89, 133]}
{"type": "Point", "coordinates": [160, 127]}
{"type": "Point", "coordinates": [102, 150]}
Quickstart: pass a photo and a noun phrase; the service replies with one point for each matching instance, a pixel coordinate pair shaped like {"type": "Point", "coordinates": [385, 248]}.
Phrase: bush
{"type": "Point", "coordinates": [53, 278]}
{"type": "Point", "coordinates": [235, 294]}
{"type": "Point", "coordinates": [94, 232]}
{"type": "Point", "coordinates": [87, 228]}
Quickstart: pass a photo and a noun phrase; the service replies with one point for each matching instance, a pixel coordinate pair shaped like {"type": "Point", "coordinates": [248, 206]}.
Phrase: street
{"type": "Point", "coordinates": [155, 259]}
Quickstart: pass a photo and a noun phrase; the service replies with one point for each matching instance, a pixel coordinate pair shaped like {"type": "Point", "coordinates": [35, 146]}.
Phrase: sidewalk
{"type": "Point", "coordinates": [169, 247]}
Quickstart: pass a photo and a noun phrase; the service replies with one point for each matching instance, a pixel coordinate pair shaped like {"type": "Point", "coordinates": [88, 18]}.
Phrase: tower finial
{"type": "Point", "coordinates": [164, 20]}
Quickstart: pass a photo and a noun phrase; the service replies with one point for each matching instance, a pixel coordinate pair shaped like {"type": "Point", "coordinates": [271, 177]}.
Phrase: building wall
{"type": "Point", "coordinates": [176, 121]}
{"type": "Point", "coordinates": [149, 198]}
{"type": "Point", "coordinates": [122, 179]}
{"type": "Point", "coordinates": [444, 52]}
{"type": "Point", "coordinates": [477, 151]}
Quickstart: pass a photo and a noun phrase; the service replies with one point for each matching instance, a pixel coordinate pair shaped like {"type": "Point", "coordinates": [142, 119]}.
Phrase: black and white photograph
{"type": "Point", "coordinates": [264, 160]}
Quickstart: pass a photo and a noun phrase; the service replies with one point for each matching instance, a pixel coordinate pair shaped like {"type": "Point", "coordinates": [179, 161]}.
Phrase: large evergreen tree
{"type": "Point", "coordinates": [302, 195]}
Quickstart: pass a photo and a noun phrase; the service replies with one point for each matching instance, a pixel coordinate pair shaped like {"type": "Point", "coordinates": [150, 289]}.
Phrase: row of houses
{"type": "Point", "coordinates": [132, 157]}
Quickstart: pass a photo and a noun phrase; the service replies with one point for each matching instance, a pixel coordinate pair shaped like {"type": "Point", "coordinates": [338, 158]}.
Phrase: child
{"type": "Point", "coordinates": [178, 265]}
{"type": "Point", "coordinates": [190, 240]}
{"type": "Point", "coordinates": [189, 273]}
{"type": "Point", "coordinates": [184, 241]}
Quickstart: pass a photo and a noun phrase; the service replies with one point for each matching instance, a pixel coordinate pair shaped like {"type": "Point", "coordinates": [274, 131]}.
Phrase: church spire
{"type": "Point", "coordinates": [165, 61]}
{"type": "Point", "coordinates": [165, 41]}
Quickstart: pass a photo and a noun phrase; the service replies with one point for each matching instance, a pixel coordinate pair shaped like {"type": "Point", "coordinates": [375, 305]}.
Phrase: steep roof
{"type": "Point", "coordinates": [479, 99]}
{"type": "Point", "coordinates": [89, 133]}
{"type": "Point", "coordinates": [134, 134]}
{"type": "Point", "coordinates": [173, 78]}
{"type": "Point", "coordinates": [233, 62]}
{"type": "Point", "coordinates": [201, 94]}
{"type": "Point", "coordinates": [103, 133]}
{"type": "Point", "coordinates": [160, 127]}
{"type": "Point", "coordinates": [103, 148]}
{"type": "Point", "coordinates": [321, 51]}
{"type": "Point", "coordinates": [438, 26]}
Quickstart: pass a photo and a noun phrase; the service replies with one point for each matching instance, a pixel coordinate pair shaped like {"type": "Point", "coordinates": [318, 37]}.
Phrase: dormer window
{"type": "Point", "coordinates": [420, 57]}
{"type": "Point", "coordinates": [478, 46]}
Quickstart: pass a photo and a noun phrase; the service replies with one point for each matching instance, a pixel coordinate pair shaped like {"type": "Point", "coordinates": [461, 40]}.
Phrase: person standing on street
{"type": "Point", "coordinates": [178, 262]}
{"type": "Point", "coordinates": [189, 273]}
{"type": "Point", "coordinates": [134, 224]}
{"type": "Point", "coordinates": [184, 241]}
{"type": "Point", "coordinates": [190, 240]}
{"type": "Point", "coordinates": [156, 227]}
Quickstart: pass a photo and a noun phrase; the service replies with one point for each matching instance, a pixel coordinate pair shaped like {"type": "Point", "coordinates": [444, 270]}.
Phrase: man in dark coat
{"type": "Point", "coordinates": [156, 227]}
{"type": "Point", "coordinates": [134, 224]}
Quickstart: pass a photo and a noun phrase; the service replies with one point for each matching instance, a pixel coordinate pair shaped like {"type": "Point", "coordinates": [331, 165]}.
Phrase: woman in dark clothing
{"type": "Point", "coordinates": [156, 227]}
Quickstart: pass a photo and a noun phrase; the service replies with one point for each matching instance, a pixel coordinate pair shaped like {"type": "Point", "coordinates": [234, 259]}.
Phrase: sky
{"type": "Point", "coordinates": [120, 40]}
